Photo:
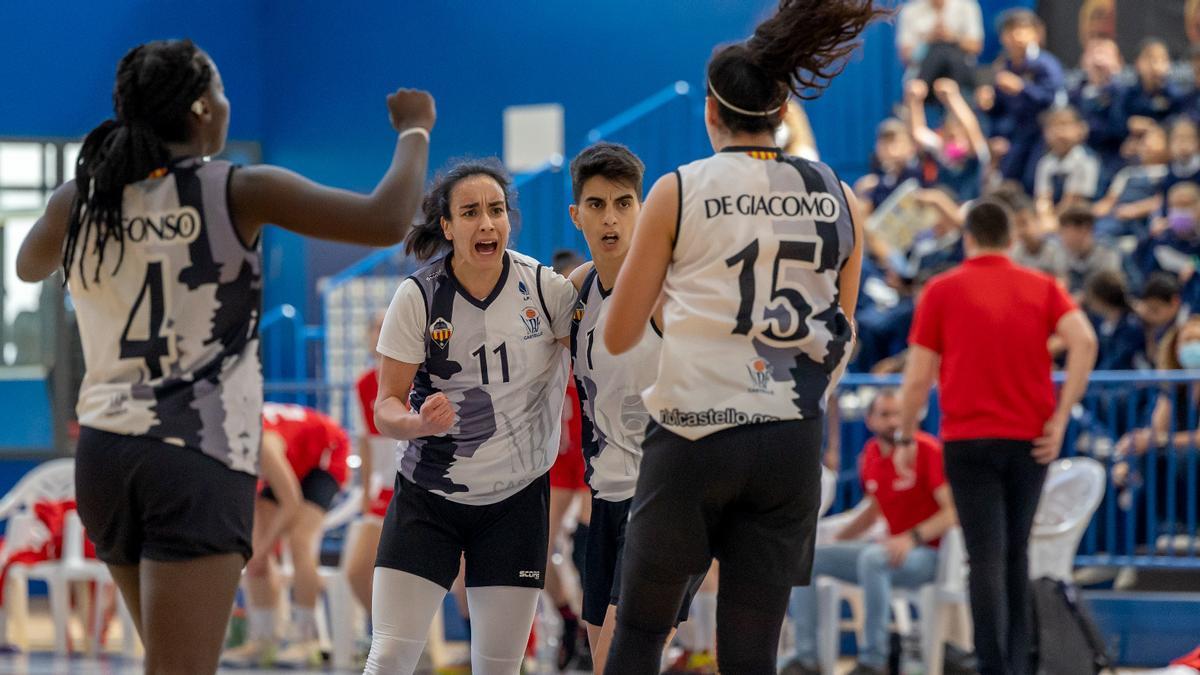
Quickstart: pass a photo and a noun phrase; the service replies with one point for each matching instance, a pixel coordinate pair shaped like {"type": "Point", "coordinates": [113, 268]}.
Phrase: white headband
{"type": "Point", "coordinates": [742, 111]}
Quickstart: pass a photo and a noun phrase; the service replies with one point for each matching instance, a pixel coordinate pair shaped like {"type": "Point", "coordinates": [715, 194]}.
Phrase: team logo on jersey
{"type": "Point", "coordinates": [440, 332]}
{"type": "Point", "coordinates": [524, 290]}
{"type": "Point", "coordinates": [532, 321]}
{"type": "Point", "coordinates": [760, 374]}
{"type": "Point", "coordinates": [579, 309]}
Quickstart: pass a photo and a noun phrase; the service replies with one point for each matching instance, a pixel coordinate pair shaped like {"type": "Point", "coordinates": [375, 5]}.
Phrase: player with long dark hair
{"type": "Point", "coordinates": [759, 255]}
{"type": "Point", "coordinates": [160, 249]}
{"type": "Point", "coordinates": [473, 375]}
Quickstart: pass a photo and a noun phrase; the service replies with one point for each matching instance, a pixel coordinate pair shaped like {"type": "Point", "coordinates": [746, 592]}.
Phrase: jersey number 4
{"type": "Point", "coordinates": [788, 309]}
{"type": "Point", "coordinates": [156, 344]}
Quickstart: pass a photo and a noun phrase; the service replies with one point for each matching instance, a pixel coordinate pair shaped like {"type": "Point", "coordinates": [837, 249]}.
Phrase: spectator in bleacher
{"type": "Point", "coordinates": [1069, 173]}
{"type": "Point", "coordinates": [1191, 100]}
{"type": "Point", "coordinates": [916, 503]}
{"type": "Point", "coordinates": [1185, 155]}
{"type": "Point", "coordinates": [940, 38]}
{"type": "Point", "coordinates": [942, 244]}
{"type": "Point", "coordinates": [1159, 309]}
{"type": "Point", "coordinates": [1025, 86]}
{"type": "Point", "coordinates": [1085, 256]}
{"type": "Point", "coordinates": [1173, 427]}
{"type": "Point", "coordinates": [1094, 96]}
{"type": "Point", "coordinates": [1153, 98]}
{"type": "Point", "coordinates": [959, 150]}
{"type": "Point", "coordinates": [894, 163]}
{"type": "Point", "coordinates": [1136, 191]}
{"type": "Point", "coordinates": [1173, 244]}
{"type": "Point", "coordinates": [1034, 248]}
{"type": "Point", "coordinates": [1121, 337]}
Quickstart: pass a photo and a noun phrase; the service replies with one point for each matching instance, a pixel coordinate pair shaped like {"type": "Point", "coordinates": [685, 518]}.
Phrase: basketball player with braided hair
{"type": "Point", "coordinates": [759, 257]}
{"type": "Point", "coordinates": [160, 248]}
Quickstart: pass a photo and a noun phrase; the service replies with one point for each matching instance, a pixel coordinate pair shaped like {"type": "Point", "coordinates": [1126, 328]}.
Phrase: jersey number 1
{"type": "Point", "coordinates": [156, 345]}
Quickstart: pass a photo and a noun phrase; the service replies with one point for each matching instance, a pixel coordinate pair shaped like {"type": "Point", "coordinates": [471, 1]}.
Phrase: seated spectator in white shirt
{"type": "Point", "coordinates": [1034, 247]}
{"type": "Point", "coordinates": [1069, 173]}
{"type": "Point", "coordinates": [940, 38]}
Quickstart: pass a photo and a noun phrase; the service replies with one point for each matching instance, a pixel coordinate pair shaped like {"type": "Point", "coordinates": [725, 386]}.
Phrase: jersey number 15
{"type": "Point", "coordinates": [788, 308]}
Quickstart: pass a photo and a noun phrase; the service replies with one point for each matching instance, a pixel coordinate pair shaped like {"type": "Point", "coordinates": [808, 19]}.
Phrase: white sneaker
{"type": "Point", "coordinates": [301, 654]}
{"type": "Point", "coordinates": [251, 654]}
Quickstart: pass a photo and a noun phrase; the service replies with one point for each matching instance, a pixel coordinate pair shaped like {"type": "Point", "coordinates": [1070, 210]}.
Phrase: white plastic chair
{"type": "Point", "coordinates": [1073, 490]}
{"type": "Point", "coordinates": [53, 481]}
{"type": "Point", "coordinates": [345, 616]}
{"type": "Point", "coordinates": [828, 490]}
{"type": "Point", "coordinates": [931, 601]}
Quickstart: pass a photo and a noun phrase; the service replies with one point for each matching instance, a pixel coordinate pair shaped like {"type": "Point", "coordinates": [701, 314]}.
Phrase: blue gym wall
{"type": "Point", "coordinates": [307, 78]}
{"type": "Point", "coordinates": [58, 59]}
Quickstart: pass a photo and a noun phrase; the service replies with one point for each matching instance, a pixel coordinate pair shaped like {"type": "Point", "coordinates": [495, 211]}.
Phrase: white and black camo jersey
{"type": "Point", "coordinates": [170, 341]}
{"type": "Point", "coordinates": [499, 362]}
{"type": "Point", "coordinates": [753, 328]}
{"type": "Point", "coordinates": [610, 395]}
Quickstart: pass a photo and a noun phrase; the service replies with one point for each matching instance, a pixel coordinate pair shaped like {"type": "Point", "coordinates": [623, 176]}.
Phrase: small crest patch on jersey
{"type": "Point", "coordinates": [579, 309]}
{"type": "Point", "coordinates": [532, 321]}
{"type": "Point", "coordinates": [440, 332]}
{"type": "Point", "coordinates": [760, 374]}
{"type": "Point", "coordinates": [524, 290]}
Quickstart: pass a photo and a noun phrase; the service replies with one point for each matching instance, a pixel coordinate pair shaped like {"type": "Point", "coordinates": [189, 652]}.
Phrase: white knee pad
{"type": "Point", "coordinates": [501, 618]}
{"type": "Point", "coordinates": [402, 607]}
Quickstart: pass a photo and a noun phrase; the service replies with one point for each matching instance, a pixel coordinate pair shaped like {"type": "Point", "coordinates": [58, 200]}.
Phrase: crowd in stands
{"type": "Point", "coordinates": [1100, 167]}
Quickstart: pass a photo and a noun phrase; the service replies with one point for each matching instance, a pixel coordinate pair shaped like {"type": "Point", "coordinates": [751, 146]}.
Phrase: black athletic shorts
{"type": "Point", "coordinates": [140, 497]}
{"type": "Point", "coordinates": [318, 487]}
{"type": "Point", "coordinates": [505, 543]}
{"type": "Point", "coordinates": [747, 496]}
{"type": "Point", "coordinates": [602, 567]}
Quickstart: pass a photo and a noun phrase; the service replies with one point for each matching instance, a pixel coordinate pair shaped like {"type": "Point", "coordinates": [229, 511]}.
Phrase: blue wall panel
{"type": "Point", "coordinates": [308, 78]}
{"type": "Point", "coordinates": [58, 59]}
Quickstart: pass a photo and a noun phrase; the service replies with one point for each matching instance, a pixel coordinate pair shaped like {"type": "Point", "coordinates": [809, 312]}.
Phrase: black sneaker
{"type": "Point", "coordinates": [797, 668]}
{"type": "Point", "coordinates": [583, 656]}
{"type": "Point", "coordinates": [568, 643]}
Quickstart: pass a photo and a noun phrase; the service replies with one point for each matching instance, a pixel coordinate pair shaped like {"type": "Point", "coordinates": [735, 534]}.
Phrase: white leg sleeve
{"type": "Point", "coordinates": [402, 607]}
{"type": "Point", "coordinates": [501, 618]}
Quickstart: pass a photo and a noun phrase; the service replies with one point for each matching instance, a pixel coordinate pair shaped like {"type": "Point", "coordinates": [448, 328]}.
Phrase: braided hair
{"type": "Point", "coordinates": [157, 83]}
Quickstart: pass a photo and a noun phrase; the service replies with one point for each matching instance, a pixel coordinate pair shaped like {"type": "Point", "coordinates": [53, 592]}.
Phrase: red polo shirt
{"type": "Point", "coordinates": [904, 500]}
{"type": "Point", "coordinates": [989, 320]}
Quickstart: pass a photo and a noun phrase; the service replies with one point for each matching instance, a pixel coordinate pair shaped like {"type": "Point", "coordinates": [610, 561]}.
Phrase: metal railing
{"type": "Point", "coordinates": [1148, 516]}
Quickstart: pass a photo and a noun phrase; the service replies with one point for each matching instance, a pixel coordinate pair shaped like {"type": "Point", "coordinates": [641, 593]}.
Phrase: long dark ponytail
{"type": "Point", "coordinates": [157, 83]}
{"type": "Point", "coordinates": [426, 239]}
{"type": "Point", "coordinates": [798, 50]}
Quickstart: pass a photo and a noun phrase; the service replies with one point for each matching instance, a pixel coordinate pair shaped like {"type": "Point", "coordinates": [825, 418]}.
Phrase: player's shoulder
{"type": "Point", "coordinates": [521, 261]}
{"type": "Point", "coordinates": [579, 274]}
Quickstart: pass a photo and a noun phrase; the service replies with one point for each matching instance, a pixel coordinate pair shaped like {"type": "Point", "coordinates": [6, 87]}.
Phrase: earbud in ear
{"type": "Point", "coordinates": [198, 107]}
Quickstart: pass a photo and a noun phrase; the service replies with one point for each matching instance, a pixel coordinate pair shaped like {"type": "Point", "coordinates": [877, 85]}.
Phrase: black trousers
{"type": "Point", "coordinates": [996, 485]}
{"type": "Point", "coordinates": [747, 496]}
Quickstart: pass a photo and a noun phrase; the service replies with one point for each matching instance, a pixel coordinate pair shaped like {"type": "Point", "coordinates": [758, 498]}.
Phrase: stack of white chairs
{"type": "Point", "coordinates": [53, 481]}
{"type": "Point", "coordinates": [1072, 493]}
{"type": "Point", "coordinates": [932, 601]}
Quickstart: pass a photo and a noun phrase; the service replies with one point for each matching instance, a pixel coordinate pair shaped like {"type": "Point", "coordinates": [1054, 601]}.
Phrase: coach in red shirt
{"type": "Point", "coordinates": [982, 329]}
